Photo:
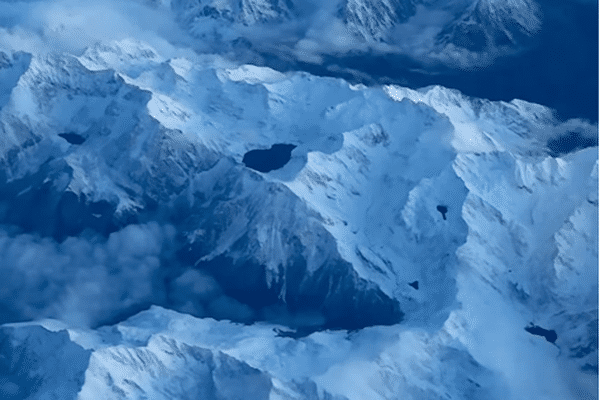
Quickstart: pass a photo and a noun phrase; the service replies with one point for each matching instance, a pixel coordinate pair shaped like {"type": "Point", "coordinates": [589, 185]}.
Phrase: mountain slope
{"type": "Point", "coordinates": [246, 12]}
{"type": "Point", "coordinates": [162, 354]}
{"type": "Point", "coordinates": [372, 20]}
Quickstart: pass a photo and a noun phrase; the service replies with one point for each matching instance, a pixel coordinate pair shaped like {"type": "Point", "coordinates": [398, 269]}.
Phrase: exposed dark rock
{"type": "Point", "coordinates": [335, 292]}
{"type": "Point", "coordinates": [39, 203]}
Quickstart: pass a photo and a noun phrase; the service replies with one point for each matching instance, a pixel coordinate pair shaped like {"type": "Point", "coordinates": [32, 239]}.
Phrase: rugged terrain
{"type": "Point", "coordinates": [400, 252]}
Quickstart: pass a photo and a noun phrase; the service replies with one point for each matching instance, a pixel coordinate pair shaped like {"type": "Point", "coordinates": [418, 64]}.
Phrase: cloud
{"type": "Point", "coordinates": [325, 33]}
{"type": "Point", "coordinates": [315, 31]}
{"type": "Point", "coordinates": [91, 280]}
{"type": "Point", "coordinates": [583, 128]}
{"type": "Point", "coordinates": [82, 280]}
{"type": "Point", "coordinates": [192, 291]}
{"type": "Point", "coordinates": [280, 315]}
{"type": "Point", "coordinates": [71, 26]}
{"type": "Point", "coordinates": [418, 35]}
{"type": "Point", "coordinates": [224, 307]}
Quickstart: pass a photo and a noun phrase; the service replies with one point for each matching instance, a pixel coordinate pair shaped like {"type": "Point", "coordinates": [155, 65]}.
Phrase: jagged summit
{"type": "Point", "coordinates": [373, 20]}
{"type": "Point", "coordinates": [245, 12]}
{"type": "Point", "coordinates": [490, 24]}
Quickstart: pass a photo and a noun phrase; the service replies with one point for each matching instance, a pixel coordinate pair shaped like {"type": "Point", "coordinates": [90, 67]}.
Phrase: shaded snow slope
{"type": "Point", "coordinates": [246, 12]}
{"type": "Point", "coordinates": [373, 20]}
{"type": "Point", "coordinates": [489, 26]}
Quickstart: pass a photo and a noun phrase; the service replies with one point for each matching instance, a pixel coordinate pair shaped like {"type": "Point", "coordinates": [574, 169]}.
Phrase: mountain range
{"type": "Point", "coordinates": [413, 244]}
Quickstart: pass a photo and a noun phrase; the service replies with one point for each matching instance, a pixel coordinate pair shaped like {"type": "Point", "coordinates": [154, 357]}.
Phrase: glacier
{"type": "Point", "coordinates": [400, 253]}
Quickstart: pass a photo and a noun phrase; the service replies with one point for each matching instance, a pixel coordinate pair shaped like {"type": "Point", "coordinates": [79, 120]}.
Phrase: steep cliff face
{"type": "Point", "coordinates": [373, 20]}
{"type": "Point", "coordinates": [246, 12]}
{"type": "Point", "coordinates": [491, 24]}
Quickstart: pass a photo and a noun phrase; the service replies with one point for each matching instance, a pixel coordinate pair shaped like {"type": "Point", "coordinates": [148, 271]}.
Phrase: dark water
{"type": "Point", "coordinates": [414, 284]}
{"type": "Point", "coordinates": [72, 138]}
{"type": "Point", "coordinates": [268, 160]}
{"type": "Point", "coordinates": [550, 335]}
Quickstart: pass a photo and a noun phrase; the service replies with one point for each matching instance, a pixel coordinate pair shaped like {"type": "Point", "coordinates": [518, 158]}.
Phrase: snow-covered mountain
{"type": "Point", "coordinates": [431, 227]}
{"type": "Point", "coordinates": [463, 33]}
{"type": "Point", "coordinates": [246, 12]}
{"type": "Point", "coordinates": [429, 30]}
{"type": "Point", "coordinates": [491, 24]}
{"type": "Point", "coordinates": [162, 354]}
{"type": "Point", "coordinates": [372, 20]}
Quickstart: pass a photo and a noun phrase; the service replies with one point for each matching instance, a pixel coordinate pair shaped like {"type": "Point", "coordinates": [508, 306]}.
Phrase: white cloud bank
{"type": "Point", "coordinates": [71, 26]}
{"type": "Point", "coordinates": [90, 280]}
